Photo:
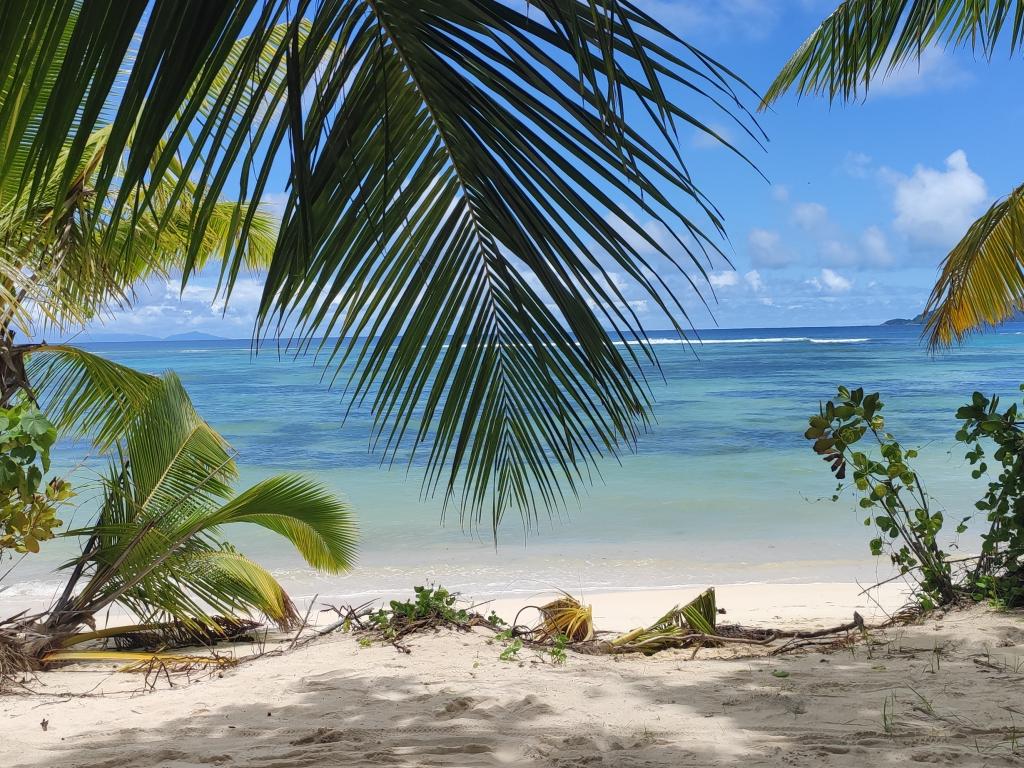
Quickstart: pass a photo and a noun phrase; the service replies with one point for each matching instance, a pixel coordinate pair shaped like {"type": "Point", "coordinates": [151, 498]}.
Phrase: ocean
{"type": "Point", "coordinates": [724, 488]}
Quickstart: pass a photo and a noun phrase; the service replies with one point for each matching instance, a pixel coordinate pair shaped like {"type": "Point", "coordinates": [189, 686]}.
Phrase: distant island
{"type": "Point", "coordinates": [194, 336]}
{"type": "Point", "coordinates": [919, 319]}
{"type": "Point", "coordinates": [89, 337]}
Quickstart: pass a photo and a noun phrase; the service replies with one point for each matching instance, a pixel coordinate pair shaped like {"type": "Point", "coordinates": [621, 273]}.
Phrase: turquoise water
{"type": "Point", "coordinates": [724, 488]}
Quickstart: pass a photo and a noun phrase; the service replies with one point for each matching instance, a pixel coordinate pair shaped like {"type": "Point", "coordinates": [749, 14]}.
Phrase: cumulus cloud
{"type": "Point", "coordinates": [753, 279]}
{"type": "Point", "coordinates": [705, 140]}
{"type": "Point", "coordinates": [780, 193]}
{"type": "Point", "coordinates": [828, 281]}
{"type": "Point", "coordinates": [934, 207]}
{"type": "Point", "coordinates": [766, 249]}
{"type": "Point", "coordinates": [725, 279]}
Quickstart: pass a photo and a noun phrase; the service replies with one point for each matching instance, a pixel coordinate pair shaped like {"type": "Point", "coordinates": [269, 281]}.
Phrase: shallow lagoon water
{"type": "Point", "coordinates": [723, 489]}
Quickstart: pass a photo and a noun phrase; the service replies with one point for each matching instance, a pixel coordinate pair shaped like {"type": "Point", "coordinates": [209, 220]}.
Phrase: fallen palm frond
{"type": "Point", "coordinates": [13, 660]}
{"type": "Point", "coordinates": [137, 661]}
{"type": "Point", "coordinates": [174, 634]}
{"type": "Point", "coordinates": [565, 617]}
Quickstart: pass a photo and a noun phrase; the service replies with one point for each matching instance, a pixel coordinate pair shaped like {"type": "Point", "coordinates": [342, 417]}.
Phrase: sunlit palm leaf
{"type": "Point", "coordinates": [864, 38]}
{"type": "Point", "coordinates": [314, 520]}
{"type": "Point", "coordinates": [87, 394]}
{"type": "Point", "coordinates": [981, 282]}
{"type": "Point", "coordinates": [156, 546]}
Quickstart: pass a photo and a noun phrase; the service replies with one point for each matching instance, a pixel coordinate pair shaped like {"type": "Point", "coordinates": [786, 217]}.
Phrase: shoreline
{"type": "Point", "coordinates": [785, 604]}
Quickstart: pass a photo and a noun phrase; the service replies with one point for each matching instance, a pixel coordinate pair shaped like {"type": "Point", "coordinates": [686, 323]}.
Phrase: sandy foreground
{"type": "Point", "coordinates": [946, 691]}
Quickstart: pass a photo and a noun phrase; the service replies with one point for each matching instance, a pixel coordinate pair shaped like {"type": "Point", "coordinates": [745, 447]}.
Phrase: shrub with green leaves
{"type": "Point", "coordinates": [999, 572]}
{"type": "Point", "coordinates": [28, 505]}
{"type": "Point", "coordinates": [890, 490]}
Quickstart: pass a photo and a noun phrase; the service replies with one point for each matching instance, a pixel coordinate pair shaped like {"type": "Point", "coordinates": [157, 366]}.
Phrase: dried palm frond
{"type": "Point", "coordinates": [680, 626]}
{"type": "Point", "coordinates": [565, 616]}
{"type": "Point", "coordinates": [136, 661]}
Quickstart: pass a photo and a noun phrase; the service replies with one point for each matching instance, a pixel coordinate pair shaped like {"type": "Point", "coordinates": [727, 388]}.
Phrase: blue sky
{"type": "Point", "coordinates": [862, 204]}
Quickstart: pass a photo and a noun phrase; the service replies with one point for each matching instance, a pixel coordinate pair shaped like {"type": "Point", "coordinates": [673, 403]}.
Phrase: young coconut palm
{"type": "Point", "coordinates": [981, 281]}
{"type": "Point", "coordinates": [156, 546]}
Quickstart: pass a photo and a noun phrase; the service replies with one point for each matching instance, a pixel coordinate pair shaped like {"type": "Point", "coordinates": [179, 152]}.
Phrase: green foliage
{"type": "Point", "coordinates": [156, 546]}
{"type": "Point", "coordinates": [557, 651]}
{"type": "Point", "coordinates": [511, 651]}
{"type": "Point", "coordinates": [28, 506]}
{"type": "Point", "coordinates": [890, 490]}
{"type": "Point", "coordinates": [434, 606]}
{"type": "Point", "coordinates": [999, 573]}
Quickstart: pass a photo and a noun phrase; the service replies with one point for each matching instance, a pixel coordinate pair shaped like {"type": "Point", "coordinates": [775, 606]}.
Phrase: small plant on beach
{"type": "Point", "coordinates": [891, 491]}
{"type": "Point", "coordinates": [28, 506]}
{"type": "Point", "coordinates": [430, 605]}
{"type": "Point", "coordinates": [557, 652]}
{"type": "Point", "coordinates": [430, 608]}
{"type": "Point", "coordinates": [511, 651]}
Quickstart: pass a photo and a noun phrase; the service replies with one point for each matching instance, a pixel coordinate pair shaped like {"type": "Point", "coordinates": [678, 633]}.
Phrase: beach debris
{"type": "Point", "coordinates": [564, 617]}
{"type": "Point", "coordinates": [137, 661]}
{"type": "Point", "coordinates": [431, 609]}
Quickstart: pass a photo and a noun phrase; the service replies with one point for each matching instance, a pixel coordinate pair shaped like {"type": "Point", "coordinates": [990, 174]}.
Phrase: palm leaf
{"type": "Point", "coordinates": [454, 169]}
{"type": "Point", "coordinates": [307, 514]}
{"type": "Point", "coordinates": [156, 545]}
{"type": "Point", "coordinates": [447, 231]}
{"type": "Point", "coordinates": [981, 281]}
{"type": "Point", "coordinates": [864, 38]}
{"type": "Point", "coordinates": [87, 394]}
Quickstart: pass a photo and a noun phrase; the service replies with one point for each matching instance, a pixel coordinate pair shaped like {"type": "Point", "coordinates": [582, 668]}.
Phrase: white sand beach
{"type": "Point", "coordinates": [944, 691]}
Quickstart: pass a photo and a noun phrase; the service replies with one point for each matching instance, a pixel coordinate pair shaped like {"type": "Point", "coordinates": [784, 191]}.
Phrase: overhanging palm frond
{"type": "Point", "coordinates": [314, 520]}
{"type": "Point", "coordinates": [864, 38]}
{"type": "Point", "coordinates": [461, 185]}
{"type": "Point", "coordinates": [87, 394]}
{"type": "Point", "coordinates": [981, 282]}
{"type": "Point", "coordinates": [465, 174]}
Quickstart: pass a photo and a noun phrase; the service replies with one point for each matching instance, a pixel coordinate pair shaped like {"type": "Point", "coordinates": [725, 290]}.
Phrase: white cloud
{"type": "Point", "coordinates": [780, 193]}
{"type": "Point", "coordinates": [935, 207]}
{"type": "Point", "coordinates": [753, 279]}
{"type": "Point", "coordinates": [833, 282]}
{"type": "Point", "coordinates": [725, 279]}
{"type": "Point", "coordinates": [810, 216]}
{"type": "Point", "coordinates": [767, 250]}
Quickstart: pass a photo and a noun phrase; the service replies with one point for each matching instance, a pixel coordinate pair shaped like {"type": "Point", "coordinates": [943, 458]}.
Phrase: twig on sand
{"type": "Point", "coordinates": [305, 622]}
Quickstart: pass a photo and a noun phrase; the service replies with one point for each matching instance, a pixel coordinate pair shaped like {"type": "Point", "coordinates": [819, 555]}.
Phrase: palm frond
{"type": "Point", "coordinates": [864, 39]}
{"type": "Point", "coordinates": [447, 233]}
{"type": "Point", "coordinates": [156, 546]}
{"type": "Point", "coordinates": [313, 519]}
{"type": "Point", "coordinates": [456, 169]}
{"type": "Point", "coordinates": [86, 394]}
{"type": "Point", "coordinates": [981, 281]}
